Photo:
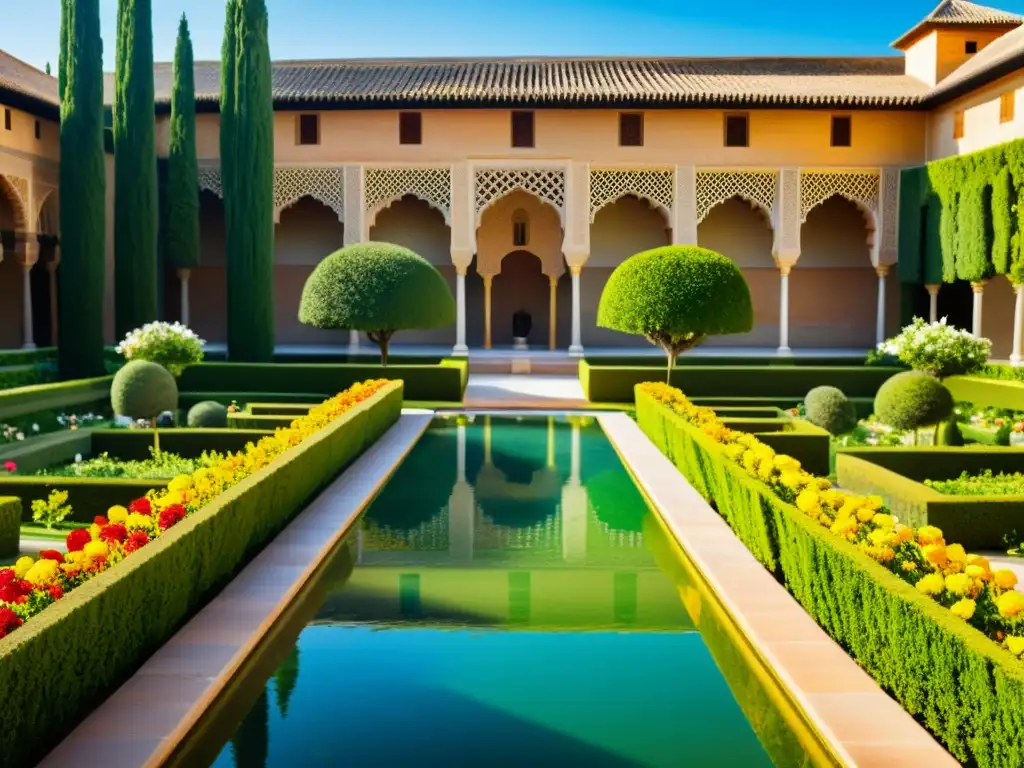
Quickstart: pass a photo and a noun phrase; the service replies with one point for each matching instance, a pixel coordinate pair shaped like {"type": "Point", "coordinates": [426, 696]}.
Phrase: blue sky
{"type": "Point", "coordinates": [382, 28]}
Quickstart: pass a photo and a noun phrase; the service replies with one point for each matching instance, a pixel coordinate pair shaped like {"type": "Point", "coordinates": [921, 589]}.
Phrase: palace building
{"type": "Point", "coordinates": [527, 180]}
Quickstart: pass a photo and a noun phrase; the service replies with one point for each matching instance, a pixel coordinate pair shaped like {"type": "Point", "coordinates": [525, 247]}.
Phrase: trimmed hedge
{"type": "Point", "coordinates": [280, 409]}
{"type": "Point", "coordinates": [699, 356]}
{"type": "Point", "coordinates": [445, 381]}
{"type": "Point", "coordinates": [135, 444]}
{"type": "Point", "coordinates": [976, 522]}
{"type": "Point", "coordinates": [263, 421]}
{"type": "Point", "coordinates": [64, 662]}
{"type": "Point", "coordinates": [46, 450]}
{"type": "Point", "coordinates": [614, 384]}
{"type": "Point", "coordinates": [44, 397]}
{"type": "Point", "coordinates": [88, 496]}
{"type": "Point", "coordinates": [10, 526]}
{"type": "Point", "coordinates": [964, 688]}
{"type": "Point", "coordinates": [987, 392]}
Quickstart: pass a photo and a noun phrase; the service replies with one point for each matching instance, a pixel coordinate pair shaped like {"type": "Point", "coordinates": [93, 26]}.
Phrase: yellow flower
{"type": "Point", "coordinates": [180, 483]}
{"type": "Point", "coordinates": [883, 520]}
{"type": "Point", "coordinates": [928, 534]}
{"type": "Point", "coordinates": [137, 522]}
{"type": "Point", "coordinates": [956, 553]}
{"type": "Point", "coordinates": [793, 479]}
{"type": "Point", "coordinates": [936, 554]}
{"type": "Point", "coordinates": [932, 584]}
{"type": "Point", "coordinates": [904, 533]}
{"type": "Point", "coordinates": [1005, 578]}
{"type": "Point", "coordinates": [977, 572]}
{"type": "Point", "coordinates": [844, 526]}
{"type": "Point", "coordinates": [959, 583]}
{"type": "Point", "coordinates": [909, 566]}
{"type": "Point", "coordinates": [865, 514]}
{"type": "Point", "coordinates": [42, 573]}
{"type": "Point", "coordinates": [786, 463]}
{"type": "Point", "coordinates": [963, 609]}
{"type": "Point", "coordinates": [1010, 604]}
{"type": "Point", "coordinates": [874, 502]}
{"type": "Point", "coordinates": [1015, 645]}
{"type": "Point", "coordinates": [978, 560]}
{"type": "Point", "coordinates": [822, 483]}
{"type": "Point", "coordinates": [96, 549]}
{"type": "Point", "coordinates": [117, 514]}
{"type": "Point", "coordinates": [22, 566]}
{"type": "Point", "coordinates": [807, 502]}
{"type": "Point", "coordinates": [94, 531]}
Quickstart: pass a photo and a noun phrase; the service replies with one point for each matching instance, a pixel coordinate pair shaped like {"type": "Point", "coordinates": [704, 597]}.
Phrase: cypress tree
{"type": "Point", "coordinates": [82, 193]}
{"type": "Point", "coordinates": [182, 240]}
{"type": "Point", "coordinates": [135, 203]}
{"type": "Point", "coordinates": [227, 103]}
{"type": "Point", "coordinates": [249, 184]}
{"type": "Point", "coordinates": [62, 64]}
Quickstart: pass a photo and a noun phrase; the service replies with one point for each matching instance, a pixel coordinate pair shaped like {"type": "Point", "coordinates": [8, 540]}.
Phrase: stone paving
{"type": "Point", "coordinates": [524, 391]}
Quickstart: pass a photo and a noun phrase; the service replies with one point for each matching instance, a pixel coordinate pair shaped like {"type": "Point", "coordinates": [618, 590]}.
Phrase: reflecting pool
{"type": "Point", "coordinates": [507, 600]}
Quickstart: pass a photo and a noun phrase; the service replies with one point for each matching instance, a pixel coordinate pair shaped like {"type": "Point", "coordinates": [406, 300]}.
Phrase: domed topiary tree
{"type": "Point", "coordinates": [144, 390]}
{"type": "Point", "coordinates": [378, 288]}
{"type": "Point", "coordinates": [675, 297]}
{"type": "Point", "coordinates": [208, 414]}
{"type": "Point", "coordinates": [830, 409]}
{"type": "Point", "coordinates": [911, 400]}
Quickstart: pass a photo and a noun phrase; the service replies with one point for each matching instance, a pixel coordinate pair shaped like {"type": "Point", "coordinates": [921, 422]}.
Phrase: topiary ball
{"type": "Point", "coordinates": [208, 414]}
{"type": "Point", "coordinates": [143, 390]}
{"type": "Point", "coordinates": [913, 399]}
{"type": "Point", "coordinates": [830, 409]}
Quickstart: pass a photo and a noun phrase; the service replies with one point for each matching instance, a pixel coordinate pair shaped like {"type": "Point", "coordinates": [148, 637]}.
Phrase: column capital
{"type": "Point", "coordinates": [882, 270]}
{"type": "Point", "coordinates": [785, 265]}
{"type": "Point", "coordinates": [576, 258]}
{"type": "Point", "coordinates": [553, 279]}
{"type": "Point", "coordinates": [978, 286]}
{"type": "Point", "coordinates": [462, 258]}
{"type": "Point", "coordinates": [27, 249]}
{"type": "Point", "coordinates": [932, 288]}
{"type": "Point", "coordinates": [576, 269]}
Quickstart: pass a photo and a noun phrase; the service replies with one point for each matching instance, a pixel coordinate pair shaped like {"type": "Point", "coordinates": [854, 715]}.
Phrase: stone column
{"type": "Point", "coordinates": [933, 302]}
{"type": "Point", "coordinates": [353, 341]}
{"type": "Point", "coordinates": [784, 269]}
{"type": "Point", "coordinates": [51, 268]}
{"type": "Point", "coordinates": [684, 206]}
{"type": "Point", "coordinates": [488, 281]}
{"type": "Point", "coordinates": [355, 229]}
{"type": "Point", "coordinates": [882, 270]}
{"type": "Point", "coordinates": [183, 276]}
{"type": "Point", "coordinates": [553, 313]}
{"type": "Point", "coordinates": [576, 347]}
{"type": "Point", "coordinates": [30, 255]}
{"type": "Point", "coordinates": [460, 349]}
{"type": "Point", "coordinates": [978, 289]}
{"type": "Point", "coordinates": [1017, 356]}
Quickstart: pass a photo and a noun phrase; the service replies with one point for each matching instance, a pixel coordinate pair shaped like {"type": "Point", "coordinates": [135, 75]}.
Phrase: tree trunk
{"type": "Point", "coordinates": [156, 439]}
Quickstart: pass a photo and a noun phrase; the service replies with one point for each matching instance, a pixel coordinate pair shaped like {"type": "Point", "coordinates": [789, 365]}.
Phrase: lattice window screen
{"type": "Point", "coordinates": [891, 205]}
{"type": "Point", "coordinates": [326, 184]}
{"type": "Point", "coordinates": [547, 184]}
{"type": "Point", "coordinates": [209, 179]}
{"type": "Point", "coordinates": [18, 190]}
{"type": "Point", "coordinates": [607, 186]}
{"type": "Point", "coordinates": [715, 187]}
{"type": "Point", "coordinates": [385, 185]}
{"type": "Point", "coordinates": [817, 187]}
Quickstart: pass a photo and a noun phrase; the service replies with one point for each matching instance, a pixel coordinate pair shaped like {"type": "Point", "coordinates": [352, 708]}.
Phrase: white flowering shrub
{"type": "Point", "coordinates": [938, 349]}
{"type": "Point", "coordinates": [172, 345]}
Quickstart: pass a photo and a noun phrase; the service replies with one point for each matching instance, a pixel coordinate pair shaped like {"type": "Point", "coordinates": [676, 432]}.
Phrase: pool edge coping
{"type": "Point", "coordinates": [345, 497]}
{"type": "Point", "coordinates": [702, 537]}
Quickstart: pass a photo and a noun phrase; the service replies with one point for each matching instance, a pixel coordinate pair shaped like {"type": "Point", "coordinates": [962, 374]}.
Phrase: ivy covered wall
{"type": "Point", "coordinates": [960, 218]}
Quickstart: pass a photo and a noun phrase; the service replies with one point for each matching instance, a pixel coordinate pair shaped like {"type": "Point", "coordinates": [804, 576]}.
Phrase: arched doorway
{"type": "Point", "coordinates": [11, 281]}
{"type": "Point", "coordinates": [519, 259]}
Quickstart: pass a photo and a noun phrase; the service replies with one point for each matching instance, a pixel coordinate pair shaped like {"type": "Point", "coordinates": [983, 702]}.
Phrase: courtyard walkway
{"type": "Point", "coordinates": [485, 391]}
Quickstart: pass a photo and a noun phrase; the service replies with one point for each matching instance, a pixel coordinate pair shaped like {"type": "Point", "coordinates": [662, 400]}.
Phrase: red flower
{"type": "Point", "coordinates": [51, 554]}
{"type": "Point", "coordinates": [9, 621]}
{"type": "Point", "coordinates": [113, 532]}
{"type": "Point", "coordinates": [136, 540]}
{"type": "Point", "coordinates": [171, 515]}
{"type": "Point", "coordinates": [56, 592]}
{"type": "Point", "coordinates": [100, 520]}
{"type": "Point", "coordinates": [6, 576]}
{"type": "Point", "coordinates": [10, 466]}
{"type": "Point", "coordinates": [16, 591]}
{"type": "Point", "coordinates": [77, 539]}
{"type": "Point", "coordinates": [142, 506]}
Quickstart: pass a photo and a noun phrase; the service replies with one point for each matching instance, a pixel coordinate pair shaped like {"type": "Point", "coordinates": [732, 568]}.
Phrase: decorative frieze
{"type": "Point", "coordinates": [861, 187]}
{"type": "Point", "coordinates": [210, 180]}
{"type": "Point", "coordinates": [607, 186]}
{"type": "Point", "coordinates": [325, 184]}
{"type": "Point", "coordinates": [383, 186]}
{"type": "Point", "coordinates": [16, 189]}
{"type": "Point", "coordinates": [715, 187]}
{"type": "Point", "coordinates": [494, 183]}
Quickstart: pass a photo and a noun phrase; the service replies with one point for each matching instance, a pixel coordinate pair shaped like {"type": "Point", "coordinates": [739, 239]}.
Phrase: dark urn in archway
{"type": "Point", "coordinates": [522, 323]}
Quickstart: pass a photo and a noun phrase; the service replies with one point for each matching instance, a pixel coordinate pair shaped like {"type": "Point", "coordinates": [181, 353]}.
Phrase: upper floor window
{"type": "Point", "coordinates": [410, 128]}
{"type": "Point", "coordinates": [737, 131]}
{"type": "Point", "coordinates": [631, 129]}
{"type": "Point", "coordinates": [958, 124]}
{"type": "Point", "coordinates": [1007, 106]}
{"type": "Point", "coordinates": [842, 130]}
{"type": "Point", "coordinates": [971, 47]}
{"type": "Point", "coordinates": [309, 129]}
{"type": "Point", "coordinates": [7, 119]}
{"type": "Point", "coordinates": [520, 229]}
{"type": "Point", "coordinates": [522, 129]}
{"type": "Point", "coordinates": [39, 129]}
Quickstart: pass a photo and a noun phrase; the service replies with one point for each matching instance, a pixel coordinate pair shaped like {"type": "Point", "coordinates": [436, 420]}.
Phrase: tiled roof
{"type": "Point", "coordinates": [30, 84]}
{"type": "Point", "coordinates": [960, 13]}
{"type": "Point", "coordinates": [999, 57]}
{"type": "Point", "coordinates": [577, 82]}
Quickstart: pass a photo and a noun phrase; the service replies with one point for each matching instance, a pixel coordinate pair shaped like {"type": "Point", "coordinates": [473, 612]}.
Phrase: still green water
{"type": "Point", "coordinates": [500, 605]}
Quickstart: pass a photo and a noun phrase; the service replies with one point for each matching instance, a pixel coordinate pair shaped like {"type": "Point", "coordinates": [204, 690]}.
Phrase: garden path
{"type": "Point", "coordinates": [524, 391]}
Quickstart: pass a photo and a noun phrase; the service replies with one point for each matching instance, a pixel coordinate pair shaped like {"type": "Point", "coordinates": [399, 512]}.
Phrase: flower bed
{"type": "Point", "coordinates": [936, 627]}
{"type": "Point", "coordinates": [79, 631]}
{"type": "Point", "coordinates": [984, 484]}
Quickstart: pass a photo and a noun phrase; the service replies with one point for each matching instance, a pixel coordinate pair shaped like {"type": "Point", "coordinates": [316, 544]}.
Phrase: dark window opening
{"type": "Point", "coordinates": [631, 129]}
{"type": "Point", "coordinates": [309, 129]}
{"type": "Point", "coordinates": [520, 230]}
{"type": "Point", "coordinates": [971, 46]}
{"type": "Point", "coordinates": [7, 119]}
{"type": "Point", "coordinates": [737, 131]}
{"type": "Point", "coordinates": [410, 128]}
{"type": "Point", "coordinates": [39, 130]}
{"type": "Point", "coordinates": [842, 130]}
{"type": "Point", "coordinates": [522, 129]}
